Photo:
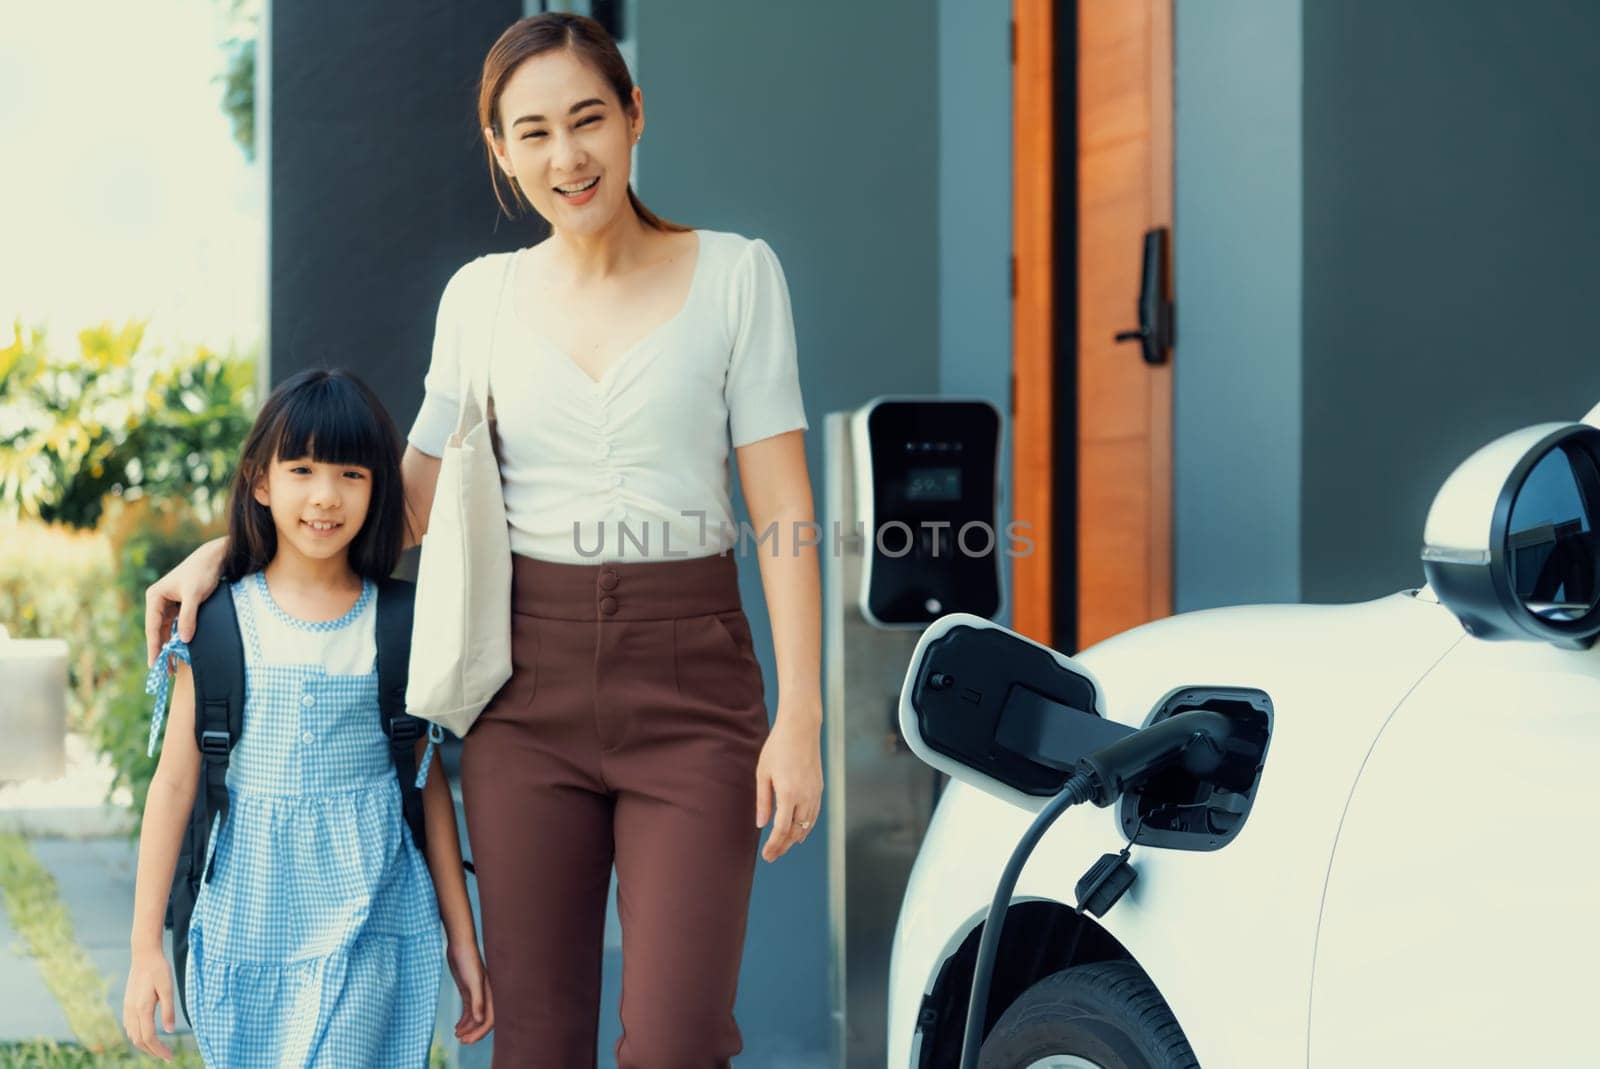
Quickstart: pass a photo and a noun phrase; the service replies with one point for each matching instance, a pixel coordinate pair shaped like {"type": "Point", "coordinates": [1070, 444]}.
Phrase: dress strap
{"type": "Point", "coordinates": [245, 610]}
{"type": "Point", "coordinates": [159, 680]}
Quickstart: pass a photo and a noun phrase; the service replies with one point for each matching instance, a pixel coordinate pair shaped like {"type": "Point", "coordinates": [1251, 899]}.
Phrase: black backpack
{"type": "Point", "coordinates": [216, 657]}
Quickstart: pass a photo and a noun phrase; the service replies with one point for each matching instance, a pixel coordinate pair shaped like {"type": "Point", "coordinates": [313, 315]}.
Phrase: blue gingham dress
{"type": "Point", "coordinates": [317, 941]}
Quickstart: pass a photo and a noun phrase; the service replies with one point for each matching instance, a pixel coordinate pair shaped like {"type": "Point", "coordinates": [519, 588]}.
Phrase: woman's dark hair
{"type": "Point", "coordinates": [534, 36]}
{"type": "Point", "coordinates": [332, 417]}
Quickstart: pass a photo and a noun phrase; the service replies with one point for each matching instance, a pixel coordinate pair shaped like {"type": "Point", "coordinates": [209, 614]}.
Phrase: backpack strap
{"type": "Point", "coordinates": [396, 599]}
{"type": "Point", "coordinates": [217, 657]}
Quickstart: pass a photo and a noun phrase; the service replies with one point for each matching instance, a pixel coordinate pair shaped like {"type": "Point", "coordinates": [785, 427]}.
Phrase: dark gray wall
{"type": "Point", "coordinates": [974, 196]}
{"type": "Point", "coordinates": [1237, 255]}
{"type": "Point", "coordinates": [813, 126]}
{"type": "Point", "coordinates": [377, 187]}
{"type": "Point", "coordinates": [1384, 235]}
{"type": "Point", "coordinates": [1451, 151]}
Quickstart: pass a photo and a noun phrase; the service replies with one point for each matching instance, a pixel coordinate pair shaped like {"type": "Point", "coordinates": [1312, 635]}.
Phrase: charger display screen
{"type": "Point", "coordinates": [933, 484]}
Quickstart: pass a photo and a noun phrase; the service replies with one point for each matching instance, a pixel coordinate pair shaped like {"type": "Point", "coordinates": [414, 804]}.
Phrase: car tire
{"type": "Point", "coordinates": [1107, 1015]}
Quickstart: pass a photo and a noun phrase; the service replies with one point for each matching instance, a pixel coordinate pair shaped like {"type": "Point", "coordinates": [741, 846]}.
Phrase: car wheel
{"type": "Point", "coordinates": [1102, 1016]}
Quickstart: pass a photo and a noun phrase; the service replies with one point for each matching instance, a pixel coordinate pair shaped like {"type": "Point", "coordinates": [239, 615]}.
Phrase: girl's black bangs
{"type": "Point", "coordinates": [330, 422]}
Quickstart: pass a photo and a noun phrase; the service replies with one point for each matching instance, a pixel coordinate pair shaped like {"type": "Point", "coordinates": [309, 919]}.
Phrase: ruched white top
{"type": "Point", "coordinates": [633, 466]}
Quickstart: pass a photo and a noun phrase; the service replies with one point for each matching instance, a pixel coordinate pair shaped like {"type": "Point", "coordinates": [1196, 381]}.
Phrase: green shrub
{"type": "Point", "coordinates": [115, 462]}
{"type": "Point", "coordinates": [117, 419]}
{"type": "Point", "coordinates": [149, 541]}
{"type": "Point", "coordinates": [56, 582]}
{"type": "Point", "coordinates": [43, 1054]}
{"type": "Point", "coordinates": [60, 583]}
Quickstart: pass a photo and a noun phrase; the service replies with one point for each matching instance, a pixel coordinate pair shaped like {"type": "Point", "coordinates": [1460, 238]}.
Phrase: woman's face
{"type": "Point", "coordinates": [567, 141]}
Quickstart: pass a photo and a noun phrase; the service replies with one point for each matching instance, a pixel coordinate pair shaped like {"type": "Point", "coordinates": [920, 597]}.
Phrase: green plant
{"type": "Point", "coordinates": [141, 443]}
{"type": "Point", "coordinates": [58, 582]}
{"type": "Point", "coordinates": [117, 418]}
{"type": "Point", "coordinates": [61, 583]}
{"type": "Point", "coordinates": [238, 78]}
{"type": "Point", "coordinates": [44, 1054]}
{"type": "Point", "coordinates": [148, 539]}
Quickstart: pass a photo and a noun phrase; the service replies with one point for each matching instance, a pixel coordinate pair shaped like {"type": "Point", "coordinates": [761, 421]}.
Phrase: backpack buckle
{"type": "Point", "coordinates": [214, 743]}
{"type": "Point", "coordinates": [405, 729]}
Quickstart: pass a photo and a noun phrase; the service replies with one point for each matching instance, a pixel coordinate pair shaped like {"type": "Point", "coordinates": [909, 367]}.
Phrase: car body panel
{"type": "Point", "coordinates": [1462, 916]}
{"type": "Point", "coordinates": [1228, 936]}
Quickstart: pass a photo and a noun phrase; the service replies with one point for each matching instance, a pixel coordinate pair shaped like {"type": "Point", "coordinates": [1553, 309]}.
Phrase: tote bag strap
{"type": "Point", "coordinates": [477, 400]}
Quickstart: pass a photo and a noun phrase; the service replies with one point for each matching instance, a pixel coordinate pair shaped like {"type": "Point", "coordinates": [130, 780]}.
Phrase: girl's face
{"type": "Point", "coordinates": [567, 141]}
{"type": "Point", "coordinates": [317, 508]}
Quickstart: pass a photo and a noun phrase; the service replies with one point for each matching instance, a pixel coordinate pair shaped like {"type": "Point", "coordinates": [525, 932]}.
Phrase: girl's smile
{"type": "Point", "coordinates": [321, 528]}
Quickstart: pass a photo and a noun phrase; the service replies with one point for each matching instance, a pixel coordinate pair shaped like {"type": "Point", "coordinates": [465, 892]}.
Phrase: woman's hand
{"type": "Point", "coordinates": [477, 1004]}
{"type": "Point", "coordinates": [789, 779]}
{"type": "Point", "coordinates": [179, 593]}
{"type": "Point", "coordinates": [149, 984]}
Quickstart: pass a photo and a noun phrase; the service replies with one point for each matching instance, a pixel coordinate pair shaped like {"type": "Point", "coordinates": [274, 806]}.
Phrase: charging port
{"type": "Point", "coordinates": [1176, 810]}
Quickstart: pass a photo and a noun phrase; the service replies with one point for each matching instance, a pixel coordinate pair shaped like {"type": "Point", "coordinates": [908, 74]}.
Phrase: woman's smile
{"type": "Point", "coordinates": [579, 192]}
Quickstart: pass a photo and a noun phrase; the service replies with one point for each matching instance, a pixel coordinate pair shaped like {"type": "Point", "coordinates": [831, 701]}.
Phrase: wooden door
{"type": "Point", "coordinates": [1033, 329]}
{"type": "Point", "coordinates": [1121, 474]}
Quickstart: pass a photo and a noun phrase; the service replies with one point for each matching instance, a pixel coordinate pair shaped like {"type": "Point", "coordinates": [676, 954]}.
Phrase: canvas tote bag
{"type": "Point", "coordinates": [461, 633]}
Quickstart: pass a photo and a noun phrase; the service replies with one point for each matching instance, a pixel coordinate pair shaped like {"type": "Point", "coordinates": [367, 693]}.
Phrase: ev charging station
{"type": "Point", "coordinates": [910, 512]}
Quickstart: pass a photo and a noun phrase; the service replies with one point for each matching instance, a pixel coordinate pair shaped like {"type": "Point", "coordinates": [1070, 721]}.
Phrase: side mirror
{"type": "Point", "coordinates": [1511, 545]}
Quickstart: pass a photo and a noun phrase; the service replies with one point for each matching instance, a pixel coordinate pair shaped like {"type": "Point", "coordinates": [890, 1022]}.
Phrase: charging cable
{"type": "Point", "coordinates": [1197, 738]}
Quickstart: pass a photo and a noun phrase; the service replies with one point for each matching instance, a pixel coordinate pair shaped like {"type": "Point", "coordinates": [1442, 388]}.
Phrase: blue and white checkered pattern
{"type": "Point", "coordinates": [317, 941]}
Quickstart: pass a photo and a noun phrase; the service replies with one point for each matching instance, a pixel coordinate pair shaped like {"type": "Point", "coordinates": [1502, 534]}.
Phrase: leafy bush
{"type": "Point", "coordinates": [238, 78]}
{"type": "Point", "coordinates": [139, 445]}
{"type": "Point", "coordinates": [60, 583]}
{"type": "Point", "coordinates": [117, 419]}
{"type": "Point", "coordinates": [149, 540]}
{"type": "Point", "coordinates": [43, 1054]}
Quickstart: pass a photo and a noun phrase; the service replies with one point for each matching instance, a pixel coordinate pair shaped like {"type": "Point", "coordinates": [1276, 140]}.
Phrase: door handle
{"type": "Point", "coordinates": [1156, 332]}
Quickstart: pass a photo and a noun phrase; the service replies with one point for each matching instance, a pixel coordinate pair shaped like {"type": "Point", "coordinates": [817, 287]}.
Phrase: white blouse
{"type": "Point", "coordinates": [633, 466]}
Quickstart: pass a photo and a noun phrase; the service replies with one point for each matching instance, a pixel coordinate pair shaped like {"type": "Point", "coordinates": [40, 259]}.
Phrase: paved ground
{"type": "Point", "coordinates": [26, 1009]}
{"type": "Point", "coordinates": [95, 880]}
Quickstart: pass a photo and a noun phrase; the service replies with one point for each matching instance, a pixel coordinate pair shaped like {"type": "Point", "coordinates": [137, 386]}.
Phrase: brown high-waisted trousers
{"type": "Point", "coordinates": [628, 734]}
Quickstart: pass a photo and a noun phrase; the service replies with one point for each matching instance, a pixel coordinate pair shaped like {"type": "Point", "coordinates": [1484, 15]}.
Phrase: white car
{"type": "Point", "coordinates": [1400, 867]}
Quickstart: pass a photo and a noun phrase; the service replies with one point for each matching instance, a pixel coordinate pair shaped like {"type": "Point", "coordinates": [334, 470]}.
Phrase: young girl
{"type": "Point", "coordinates": [315, 941]}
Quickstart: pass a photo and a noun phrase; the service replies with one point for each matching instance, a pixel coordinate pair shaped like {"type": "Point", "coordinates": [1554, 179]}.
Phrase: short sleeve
{"type": "Point", "coordinates": [441, 399]}
{"type": "Point", "coordinates": [763, 385]}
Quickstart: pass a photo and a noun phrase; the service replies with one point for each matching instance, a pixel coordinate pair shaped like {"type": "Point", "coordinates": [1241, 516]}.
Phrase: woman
{"type": "Point", "coordinates": [633, 730]}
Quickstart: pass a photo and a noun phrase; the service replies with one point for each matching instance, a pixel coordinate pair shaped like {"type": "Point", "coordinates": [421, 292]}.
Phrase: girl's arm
{"type": "Point", "coordinates": [166, 811]}
{"type": "Point", "coordinates": [455, 909]}
{"type": "Point", "coordinates": [777, 489]}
